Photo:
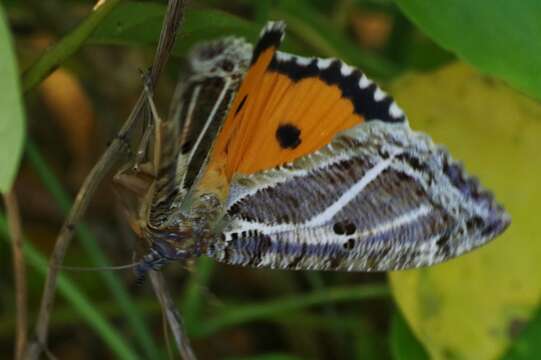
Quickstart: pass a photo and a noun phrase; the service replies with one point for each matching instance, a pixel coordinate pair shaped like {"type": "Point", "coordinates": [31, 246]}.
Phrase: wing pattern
{"type": "Point", "coordinates": [379, 197]}
{"type": "Point", "coordinates": [199, 106]}
{"type": "Point", "coordinates": [315, 167]}
{"type": "Point", "coordinates": [291, 106]}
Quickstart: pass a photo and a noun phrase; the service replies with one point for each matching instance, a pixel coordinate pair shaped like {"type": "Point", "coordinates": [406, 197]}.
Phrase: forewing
{"type": "Point", "coordinates": [199, 107]}
{"type": "Point", "coordinates": [379, 197]}
{"type": "Point", "coordinates": [289, 106]}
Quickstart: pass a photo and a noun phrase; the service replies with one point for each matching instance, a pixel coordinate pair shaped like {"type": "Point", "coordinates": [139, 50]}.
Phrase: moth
{"type": "Point", "coordinates": [269, 159]}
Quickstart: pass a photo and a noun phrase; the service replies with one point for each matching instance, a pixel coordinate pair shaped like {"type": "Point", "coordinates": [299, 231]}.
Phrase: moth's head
{"type": "Point", "coordinates": [166, 246]}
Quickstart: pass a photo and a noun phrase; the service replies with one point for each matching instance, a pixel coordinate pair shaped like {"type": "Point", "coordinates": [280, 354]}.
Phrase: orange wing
{"type": "Point", "coordinates": [289, 106]}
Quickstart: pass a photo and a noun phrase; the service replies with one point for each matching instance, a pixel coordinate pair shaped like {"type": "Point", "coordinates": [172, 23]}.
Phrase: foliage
{"type": "Point", "coordinates": [490, 293]}
{"type": "Point", "coordinates": [12, 120]}
{"type": "Point", "coordinates": [473, 307]}
{"type": "Point", "coordinates": [496, 36]}
{"type": "Point", "coordinates": [404, 345]}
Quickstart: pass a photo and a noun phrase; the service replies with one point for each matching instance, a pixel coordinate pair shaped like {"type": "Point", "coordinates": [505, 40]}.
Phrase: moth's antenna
{"type": "Point", "coordinates": [102, 268]}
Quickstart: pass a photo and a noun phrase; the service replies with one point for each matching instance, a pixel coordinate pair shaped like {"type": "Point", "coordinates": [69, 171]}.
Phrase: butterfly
{"type": "Point", "coordinates": [270, 159]}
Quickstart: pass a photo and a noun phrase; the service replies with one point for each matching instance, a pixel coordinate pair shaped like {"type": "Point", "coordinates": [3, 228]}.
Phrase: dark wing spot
{"type": "Point", "coordinates": [234, 210]}
{"type": "Point", "coordinates": [443, 240]}
{"type": "Point", "coordinates": [350, 244]}
{"type": "Point", "coordinates": [241, 105]}
{"type": "Point", "coordinates": [475, 222]}
{"type": "Point", "coordinates": [338, 229]}
{"type": "Point", "coordinates": [344, 227]}
{"type": "Point", "coordinates": [288, 136]}
{"type": "Point", "coordinates": [350, 228]}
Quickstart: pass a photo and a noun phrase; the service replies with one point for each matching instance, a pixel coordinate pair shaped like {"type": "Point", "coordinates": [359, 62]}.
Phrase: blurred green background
{"type": "Point", "coordinates": [466, 72]}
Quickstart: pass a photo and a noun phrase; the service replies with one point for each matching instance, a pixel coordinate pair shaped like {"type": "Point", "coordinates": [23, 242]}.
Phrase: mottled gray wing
{"type": "Point", "coordinates": [379, 197]}
{"type": "Point", "coordinates": [198, 110]}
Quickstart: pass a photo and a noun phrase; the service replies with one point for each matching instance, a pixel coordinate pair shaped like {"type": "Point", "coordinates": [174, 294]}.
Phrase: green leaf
{"type": "Point", "coordinates": [89, 242]}
{"type": "Point", "coordinates": [80, 302]}
{"type": "Point", "coordinates": [528, 344]}
{"type": "Point", "coordinates": [499, 37]}
{"type": "Point", "coordinates": [139, 24]}
{"type": "Point", "coordinates": [316, 30]}
{"type": "Point", "coordinates": [67, 46]}
{"type": "Point", "coordinates": [234, 315]}
{"type": "Point", "coordinates": [404, 344]}
{"type": "Point", "coordinates": [469, 308]}
{"type": "Point", "coordinates": [193, 302]}
{"type": "Point", "coordinates": [12, 118]}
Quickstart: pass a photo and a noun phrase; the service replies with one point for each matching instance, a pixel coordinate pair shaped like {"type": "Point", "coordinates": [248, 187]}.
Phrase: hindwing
{"type": "Point", "coordinates": [379, 197]}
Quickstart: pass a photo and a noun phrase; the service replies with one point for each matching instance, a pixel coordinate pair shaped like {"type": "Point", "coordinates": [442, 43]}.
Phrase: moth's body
{"type": "Point", "coordinates": [304, 164]}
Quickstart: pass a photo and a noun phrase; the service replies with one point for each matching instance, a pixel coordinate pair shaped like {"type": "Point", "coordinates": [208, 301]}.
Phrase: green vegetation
{"type": "Point", "coordinates": [71, 74]}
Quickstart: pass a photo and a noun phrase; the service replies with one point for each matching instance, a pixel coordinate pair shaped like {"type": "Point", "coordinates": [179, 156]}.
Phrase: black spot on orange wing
{"type": "Point", "coordinates": [288, 136]}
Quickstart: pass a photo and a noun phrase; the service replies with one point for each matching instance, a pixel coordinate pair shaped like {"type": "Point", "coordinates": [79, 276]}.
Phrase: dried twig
{"type": "Point", "coordinates": [19, 271]}
{"type": "Point", "coordinates": [113, 153]}
{"type": "Point", "coordinates": [172, 315]}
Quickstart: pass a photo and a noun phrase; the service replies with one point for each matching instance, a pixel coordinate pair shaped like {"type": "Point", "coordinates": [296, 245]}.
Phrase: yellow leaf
{"type": "Point", "coordinates": [469, 308]}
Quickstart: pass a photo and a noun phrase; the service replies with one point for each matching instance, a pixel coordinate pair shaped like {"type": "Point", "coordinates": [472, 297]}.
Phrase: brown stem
{"type": "Point", "coordinates": [170, 26]}
{"type": "Point", "coordinates": [19, 271]}
{"type": "Point", "coordinates": [172, 315]}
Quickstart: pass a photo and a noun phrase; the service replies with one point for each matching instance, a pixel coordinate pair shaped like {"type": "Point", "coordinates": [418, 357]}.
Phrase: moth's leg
{"type": "Point", "coordinates": [175, 111]}
{"type": "Point", "coordinates": [138, 175]}
{"type": "Point", "coordinates": [150, 142]}
{"type": "Point", "coordinates": [136, 180]}
{"type": "Point", "coordinates": [132, 185]}
{"type": "Point", "coordinates": [157, 125]}
{"type": "Point", "coordinates": [142, 149]}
